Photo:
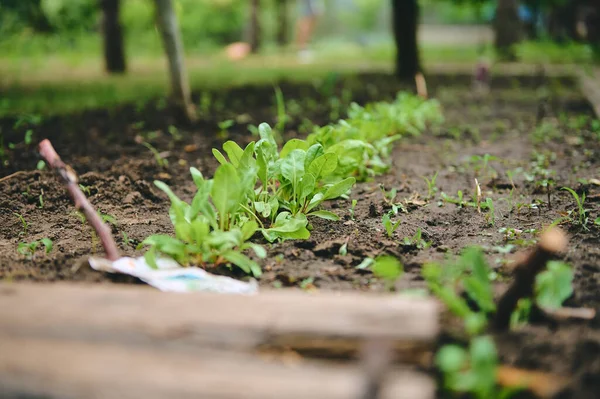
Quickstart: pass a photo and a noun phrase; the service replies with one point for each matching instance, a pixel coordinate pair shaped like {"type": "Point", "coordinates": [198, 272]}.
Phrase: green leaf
{"type": "Point", "coordinates": [248, 230]}
{"type": "Point", "coordinates": [323, 165]}
{"type": "Point", "coordinates": [307, 187]}
{"type": "Point", "coordinates": [47, 244]}
{"type": "Point", "coordinates": [292, 167]}
{"type": "Point", "coordinates": [387, 267]}
{"type": "Point", "coordinates": [293, 144]}
{"type": "Point", "coordinates": [484, 361]}
{"type": "Point", "coordinates": [314, 151]}
{"type": "Point", "coordinates": [165, 244]}
{"type": "Point", "coordinates": [234, 152]}
{"type": "Point", "coordinates": [554, 286]}
{"type": "Point", "coordinates": [263, 169]}
{"type": "Point", "coordinates": [339, 189]}
{"type": "Point", "coordinates": [263, 208]}
{"type": "Point", "coordinates": [451, 359]}
{"type": "Point", "coordinates": [259, 250]}
{"type": "Point", "coordinates": [325, 215]}
{"type": "Point", "coordinates": [266, 133]}
{"type": "Point", "coordinates": [366, 263]}
{"type": "Point", "coordinates": [287, 226]}
{"type": "Point", "coordinates": [226, 192]}
{"type": "Point", "coordinates": [220, 157]}
{"type": "Point", "coordinates": [478, 286]}
{"type": "Point", "coordinates": [150, 258]}
{"type": "Point", "coordinates": [243, 262]}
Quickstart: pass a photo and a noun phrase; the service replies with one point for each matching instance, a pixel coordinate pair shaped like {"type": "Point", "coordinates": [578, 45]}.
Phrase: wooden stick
{"type": "Point", "coordinates": [19, 173]}
{"type": "Point", "coordinates": [526, 269]}
{"type": "Point", "coordinates": [421, 85]}
{"type": "Point", "coordinates": [69, 177]}
{"type": "Point", "coordinates": [542, 384]}
{"type": "Point", "coordinates": [570, 313]}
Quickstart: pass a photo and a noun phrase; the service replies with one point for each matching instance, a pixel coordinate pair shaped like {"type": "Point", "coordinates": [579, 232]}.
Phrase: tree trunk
{"type": "Point", "coordinates": [114, 52]}
{"type": "Point", "coordinates": [282, 23]}
{"type": "Point", "coordinates": [171, 37]}
{"type": "Point", "coordinates": [405, 14]}
{"type": "Point", "coordinates": [254, 28]}
{"type": "Point", "coordinates": [507, 29]}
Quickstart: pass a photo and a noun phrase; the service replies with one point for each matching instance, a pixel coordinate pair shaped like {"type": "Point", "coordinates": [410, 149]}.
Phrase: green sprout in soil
{"type": "Point", "coordinates": [160, 160]}
{"type": "Point", "coordinates": [390, 227]}
{"type": "Point", "coordinates": [175, 133]}
{"type": "Point", "coordinates": [582, 213]}
{"type": "Point", "coordinates": [352, 207]}
{"type": "Point", "coordinates": [24, 224]}
{"type": "Point", "coordinates": [29, 248]}
{"type": "Point", "coordinates": [481, 164]}
{"type": "Point", "coordinates": [127, 242]}
{"type": "Point", "coordinates": [490, 216]}
{"type": "Point", "coordinates": [85, 189]}
{"type": "Point", "coordinates": [416, 241]}
{"type": "Point", "coordinates": [459, 200]}
{"type": "Point", "coordinates": [431, 185]}
{"type": "Point", "coordinates": [387, 268]}
{"type": "Point", "coordinates": [388, 196]}
{"type": "Point", "coordinates": [41, 165]}
{"type": "Point", "coordinates": [224, 128]}
{"type": "Point", "coordinates": [41, 198]}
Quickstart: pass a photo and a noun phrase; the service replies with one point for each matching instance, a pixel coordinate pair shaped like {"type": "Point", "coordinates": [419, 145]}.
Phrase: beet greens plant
{"type": "Point", "coordinates": [262, 188]}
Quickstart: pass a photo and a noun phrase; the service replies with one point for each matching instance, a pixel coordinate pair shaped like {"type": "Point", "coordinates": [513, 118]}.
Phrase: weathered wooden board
{"type": "Point", "coordinates": [143, 316]}
{"type": "Point", "coordinates": [76, 370]}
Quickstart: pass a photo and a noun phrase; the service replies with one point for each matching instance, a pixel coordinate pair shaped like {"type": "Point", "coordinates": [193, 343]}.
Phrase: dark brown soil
{"type": "Point", "coordinates": [103, 146]}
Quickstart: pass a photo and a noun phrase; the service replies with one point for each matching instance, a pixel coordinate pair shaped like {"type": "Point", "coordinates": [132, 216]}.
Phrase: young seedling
{"type": "Point", "coordinates": [431, 185]}
{"type": "Point", "coordinates": [388, 196]}
{"type": "Point", "coordinates": [41, 198]}
{"type": "Point", "coordinates": [471, 273]}
{"type": "Point", "coordinates": [175, 133]}
{"type": "Point", "coordinates": [85, 189]}
{"type": "Point", "coordinates": [24, 224]}
{"type": "Point", "coordinates": [490, 216]}
{"type": "Point", "coordinates": [390, 227]}
{"type": "Point", "coordinates": [581, 211]}
{"type": "Point", "coordinates": [352, 207]}
{"type": "Point", "coordinates": [416, 241]}
{"type": "Point", "coordinates": [223, 128]}
{"type": "Point", "coordinates": [158, 157]}
{"type": "Point", "coordinates": [459, 201]}
{"type": "Point", "coordinates": [29, 249]}
{"type": "Point", "coordinates": [387, 268]}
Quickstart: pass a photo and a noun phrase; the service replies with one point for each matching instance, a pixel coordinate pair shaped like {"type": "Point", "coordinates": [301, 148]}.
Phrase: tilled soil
{"type": "Point", "coordinates": [117, 172]}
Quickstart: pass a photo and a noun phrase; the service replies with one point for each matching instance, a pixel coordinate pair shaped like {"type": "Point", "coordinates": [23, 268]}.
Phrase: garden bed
{"type": "Point", "coordinates": [544, 127]}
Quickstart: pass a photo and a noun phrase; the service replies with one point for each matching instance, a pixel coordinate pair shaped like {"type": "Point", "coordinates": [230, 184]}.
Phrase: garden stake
{"type": "Point", "coordinates": [526, 269]}
{"type": "Point", "coordinates": [69, 177]}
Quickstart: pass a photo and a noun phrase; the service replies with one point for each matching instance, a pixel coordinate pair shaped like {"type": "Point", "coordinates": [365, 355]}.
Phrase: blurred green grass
{"type": "Point", "coordinates": [65, 75]}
